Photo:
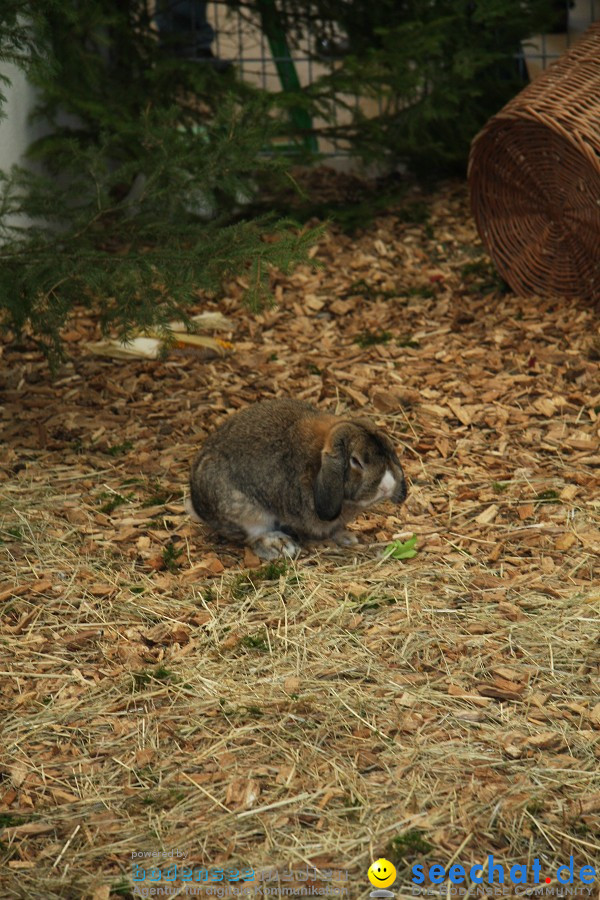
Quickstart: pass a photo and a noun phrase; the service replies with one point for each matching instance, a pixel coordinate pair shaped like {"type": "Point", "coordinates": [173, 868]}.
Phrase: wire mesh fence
{"type": "Point", "coordinates": [543, 49]}
{"type": "Point", "coordinates": [252, 39]}
{"type": "Point", "coordinates": [264, 58]}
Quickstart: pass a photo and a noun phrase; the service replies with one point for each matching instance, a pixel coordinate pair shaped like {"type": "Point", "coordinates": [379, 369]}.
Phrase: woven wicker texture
{"type": "Point", "coordinates": [534, 178]}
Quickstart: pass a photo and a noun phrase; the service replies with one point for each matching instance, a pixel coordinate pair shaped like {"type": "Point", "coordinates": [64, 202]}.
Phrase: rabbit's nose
{"type": "Point", "coordinates": [400, 495]}
{"type": "Point", "coordinates": [400, 490]}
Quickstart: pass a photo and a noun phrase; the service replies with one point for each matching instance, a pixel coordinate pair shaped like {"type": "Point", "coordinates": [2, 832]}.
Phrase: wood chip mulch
{"type": "Point", "coordinates": [160, 689]}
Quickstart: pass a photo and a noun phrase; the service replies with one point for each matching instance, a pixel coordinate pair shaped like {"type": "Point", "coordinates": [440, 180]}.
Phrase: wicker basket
{"type": "Point", "coordinates": [534, 177]}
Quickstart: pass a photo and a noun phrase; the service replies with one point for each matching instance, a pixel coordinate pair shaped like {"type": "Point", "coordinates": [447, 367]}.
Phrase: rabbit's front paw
{"type": "Point", "coordinates": [345, 538]}
{"type": "Point", "coordinates": [275, 544]}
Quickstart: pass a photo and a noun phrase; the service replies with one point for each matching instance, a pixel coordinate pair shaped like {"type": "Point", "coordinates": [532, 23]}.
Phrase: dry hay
{"type": "Point", "coordinates": [157, 696]}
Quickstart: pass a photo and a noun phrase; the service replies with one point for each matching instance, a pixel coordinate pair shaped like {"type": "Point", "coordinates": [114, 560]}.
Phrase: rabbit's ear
{"type": "Point", "coordinates": [388, 445]}
{"type": "Point", "coordinates": [329, 483]}
{"type": "Point", "coordinates": [381, 438]}
{"type": "Point", "coordinates": [329, 487]}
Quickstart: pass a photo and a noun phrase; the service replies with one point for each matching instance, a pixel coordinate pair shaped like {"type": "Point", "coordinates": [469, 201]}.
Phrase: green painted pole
{"type": "Point", "coordinates": [288, 76]}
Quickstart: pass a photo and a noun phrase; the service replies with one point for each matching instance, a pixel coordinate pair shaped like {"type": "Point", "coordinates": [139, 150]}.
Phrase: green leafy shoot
{"type": "Point", "coordinates": [401, 549]}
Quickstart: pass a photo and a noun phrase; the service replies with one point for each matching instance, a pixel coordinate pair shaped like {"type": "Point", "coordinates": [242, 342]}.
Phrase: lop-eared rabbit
{"type": "Point", "coordinates": [280, 472]}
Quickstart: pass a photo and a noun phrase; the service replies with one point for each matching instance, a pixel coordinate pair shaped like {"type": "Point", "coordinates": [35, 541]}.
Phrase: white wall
{"type": "Point", "coordinates": [16, 131]}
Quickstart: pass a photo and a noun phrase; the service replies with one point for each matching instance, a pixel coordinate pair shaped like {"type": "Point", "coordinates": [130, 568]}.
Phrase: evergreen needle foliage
{"type": "Point", "coordinates": [22, 39]}
{"type": "Point", "coordinates": [437, 70]}
{"type": "Point", "coordinates": [134, 206]}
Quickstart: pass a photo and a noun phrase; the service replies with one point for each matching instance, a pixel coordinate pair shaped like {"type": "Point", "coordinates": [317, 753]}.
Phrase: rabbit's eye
{"type": "Point", "coordinates": [356, 463]}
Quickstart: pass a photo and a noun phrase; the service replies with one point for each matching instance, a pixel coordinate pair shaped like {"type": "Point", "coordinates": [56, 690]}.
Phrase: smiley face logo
{"type": "Point", "coordinates": [382, 873]}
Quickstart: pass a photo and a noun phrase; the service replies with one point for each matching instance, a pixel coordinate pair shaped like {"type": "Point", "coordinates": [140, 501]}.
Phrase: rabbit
{"type": "Point", "coordinates": [281, 472]}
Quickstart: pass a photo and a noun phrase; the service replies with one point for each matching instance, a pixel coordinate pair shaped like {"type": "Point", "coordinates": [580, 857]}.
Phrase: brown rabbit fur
{"type": "Point", "coordinates": [281, 472]}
